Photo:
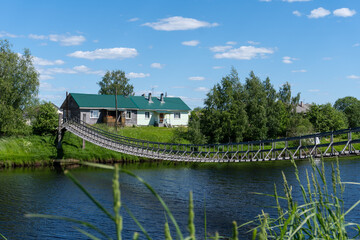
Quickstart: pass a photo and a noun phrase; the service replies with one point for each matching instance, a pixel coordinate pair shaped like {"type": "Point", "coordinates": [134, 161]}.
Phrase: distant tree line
{"type": "Point", "coordinates": [254, 110]}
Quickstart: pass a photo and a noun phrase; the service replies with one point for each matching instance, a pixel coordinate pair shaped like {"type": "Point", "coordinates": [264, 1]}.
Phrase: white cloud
{"type": "Point", "coordinates": [353, 77]}
{"type": "Point", "coordinates": [37, 37]}
{"type": "Point", "coordinates": [43, 62]}
{"type": "Point", "coordinates": [52, 71]}
{"type": "Point", "coordinates": [44, 86]}
{"type": "Point", "coordinates": [244, 53]}
{"type": "Point", "coordinates": [356, 45]}
{"type": "Point", "coordinates": [133, 19]}
{"type": "Point", "coordinates": [45, 77]}
{"type": "Point", "coordinates": [299, 71]}
{"type": "Point", "coordinates": [9, 35]}
{"type": "Point", "coordinates": [220, 48]}
{"type": "Point", "coordinates": [86, 70]}
{"type": "Point", "coordinates": [297, 13]}
{"type": "Point", "coordinates": [253, 43]}
{"type": "Point", "coordinates": [178, 87]}
{"type": "Point", "coordinates": [319, 13]}
{"type": "Point", "coordinates": [106, 53]}
{"type": "Point", "coordinates": [314, 90]}
{"type": "Point", "coordinates": [288, 60]}
{"type": "Point", "coordinates": [178, 23]}
{"type": "Point", "coordinates": [67, 40]}
{"type": "Point", "coordinates": [157, 65]}
{"type": "Point", "coordinates": [201, 89]}
{"type": "Point", "coordinates": [265, 0]}
{"type": "Point", "coordinates": [64, 39]}
{"type": "Point", "coordinates": [296, 0]}
{"type": "Point", "coordinates": [137, 75]}
{"type": "Point", "coordinates": [192, 43]}
{"type": "Point", "coordinates": [231, 43]}
{"type": "Point", "coordinates": [217, 67]}
{"type": "Point", "coordinates": [196, 78]}
{"type": "Point", "coordinates": [344, 12]}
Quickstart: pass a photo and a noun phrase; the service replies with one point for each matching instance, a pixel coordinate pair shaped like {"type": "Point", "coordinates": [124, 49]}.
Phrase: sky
{"type": "Point", "coordinates": [183, 48]}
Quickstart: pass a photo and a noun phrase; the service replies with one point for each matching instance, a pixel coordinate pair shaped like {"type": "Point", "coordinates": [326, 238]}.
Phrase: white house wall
{"type": "Point", "coordinates": [142, 121]}
{"type": "Point", "coordinates": [182, 121]}
{"type": "Point", "coordinates": [168, 117]}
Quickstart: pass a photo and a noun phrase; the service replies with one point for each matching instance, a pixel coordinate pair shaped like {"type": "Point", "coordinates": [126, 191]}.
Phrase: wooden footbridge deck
{"type": "Point", "coordinates": [326, 144]}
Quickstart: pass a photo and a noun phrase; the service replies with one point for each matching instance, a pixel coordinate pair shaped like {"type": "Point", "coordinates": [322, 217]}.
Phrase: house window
{"type": "Point", "coordinates": [177, 115]}
{"type": "Point", "coordinates": [128, 115]}
{"type": "Point", "coordinates": [147, 115]}
{"type": "Point", "coordinates": [94, 113]}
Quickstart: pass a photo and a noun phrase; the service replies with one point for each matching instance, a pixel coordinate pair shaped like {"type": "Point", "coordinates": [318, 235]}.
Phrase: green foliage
{"type": "Point", "coordinates": [46, 119]}
{"type": "Point", "coordinates": [115, 81]}
{"type": "Point", "coordinates": [299, 126]}
{"type": "Point", "coordinates": [320, 216]}
{"type": "Point", "coordinates": [351, 107]}
{"type": "Point", "coordinates": [326, 118]}
{"type": "Point", "coordinates": [224, 117]}
{"type": "Point", "coordinates": [18, 87]}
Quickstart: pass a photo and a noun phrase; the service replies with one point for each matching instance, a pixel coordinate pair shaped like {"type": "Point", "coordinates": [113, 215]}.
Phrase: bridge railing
{"type": "Point", "coordinates": [261, 148]}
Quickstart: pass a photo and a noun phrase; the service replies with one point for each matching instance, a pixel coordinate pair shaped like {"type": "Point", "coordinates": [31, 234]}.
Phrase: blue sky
{"type": "Point", "coordinates": [185, 47]}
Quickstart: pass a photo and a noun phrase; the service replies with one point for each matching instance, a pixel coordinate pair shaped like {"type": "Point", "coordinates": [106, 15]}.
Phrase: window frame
{"type": "Point", "coordinates": [147, 115]}
{"type": "Point", "coordinates": [126, 115]}
{"type": "Point", "coordinates": [177, 114]}
{"type": "Point", "coordinates": [92, 113]}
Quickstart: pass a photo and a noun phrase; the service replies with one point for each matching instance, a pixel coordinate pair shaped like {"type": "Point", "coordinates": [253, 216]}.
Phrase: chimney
{"type": "Point", "coordinates": [149, 98]}
{"type": "Point", "coordinates": [301, 104]}
{"type": "Point", "coordinates": [162, 98]}
{"type": "Point", "coordinates": [143, 95]}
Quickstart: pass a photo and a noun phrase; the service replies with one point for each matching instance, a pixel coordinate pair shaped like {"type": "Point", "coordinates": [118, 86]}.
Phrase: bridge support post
{"type": "Point", "coordinates": [331, 142]}
{"type": "Point", "coordinates": [60, 132]}
{"type": "Point", "coordinates": [83, 144]}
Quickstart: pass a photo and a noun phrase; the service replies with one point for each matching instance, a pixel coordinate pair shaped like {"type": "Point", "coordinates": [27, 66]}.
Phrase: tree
{"type": "Point", "coordinates": [256, 103]}
{"type": "Point", "coordinates": [18, 87]}
{"type": "Point", "coordinates": [46, 119]}
{"type": "Point", "coordinates": [115, 80]}
{"type": "Point", "coordinates": [224, 117]}
{"type": "Point", "coordinates": [325, 118]}
{"type": "Point", "coordinates": [351, 107]}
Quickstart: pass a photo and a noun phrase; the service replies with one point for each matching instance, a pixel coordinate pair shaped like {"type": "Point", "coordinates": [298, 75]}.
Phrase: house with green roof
{"type": "Point", "coordinates": [132, 110]}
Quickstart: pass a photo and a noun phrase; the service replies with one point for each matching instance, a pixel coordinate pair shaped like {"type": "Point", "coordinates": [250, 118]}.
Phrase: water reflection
{"type": "Point", "coordinates": [226, 190]}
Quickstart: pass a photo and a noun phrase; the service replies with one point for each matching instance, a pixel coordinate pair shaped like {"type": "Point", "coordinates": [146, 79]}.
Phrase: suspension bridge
{"type": "Point", "coordinates": [326, 144]}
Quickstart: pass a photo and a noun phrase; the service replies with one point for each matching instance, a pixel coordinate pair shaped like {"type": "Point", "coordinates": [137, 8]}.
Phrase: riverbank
{"type": "Point", "coordinates": [34, 150]}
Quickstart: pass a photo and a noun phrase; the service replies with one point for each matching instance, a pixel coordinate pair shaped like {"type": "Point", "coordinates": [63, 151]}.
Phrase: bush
{"type": "Point", "coordinates": [46, 119]}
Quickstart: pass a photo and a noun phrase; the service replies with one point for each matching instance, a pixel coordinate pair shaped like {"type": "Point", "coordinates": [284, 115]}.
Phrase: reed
{"type": "Point", "coordinates": [321, 215]}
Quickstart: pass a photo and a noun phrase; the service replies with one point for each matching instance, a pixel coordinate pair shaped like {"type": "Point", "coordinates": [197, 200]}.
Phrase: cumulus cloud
{"type": "Point", "coordinates": [44, 62]}
{"type": "Point", "coordinates": [137, 75]}
{"type": "Point", "coordinates": [191, 43]}
{"type": "Point", "coordinates": [244, 53]}
{"type": "Point", "coordinates": [296, 0]}
{"type": "Point", "coordinates": [82, 69]}
{"type": "Point", "coordinates": [356, 45]}
{"type": "Point", "coordinates": [201, 89]}
{"type": "Point", "coordinates": [106, 53]}
{"type": "Point", "coordinates": [297, 13]}
{"type": "Point", "coordinates": [265, 0]}
{"type": "Point", "coordinates": [253, 43]}
{"type": "Point", "coordinates": [353, 77]}
{"type": "Point", "coordinates": [196, 78]}
{"type": "Point", "coordinates": [299, 71]}
{"type": "Point", "coordinates": [133, 19]}
{"type": "Point", "coordinates": [217, 67]}
{"type": "Point", "coordinates": [8, 35]}
{"type": "Point", "coordinates": [231, 43]}
{"type": "Point", "coordinates": [319, 13]}
{"type": "Point", "coordinates": [62, 39]}
{"type": "Point", "coordinates": [157, 65]}
{"type": "Point", "coordinates": [344, 12]}
{"type": "Point", "coordinates": [220, 48]}
{"type": "Point", "coordinates": [178, 23]}
{"type": "Point", "coordinates": [288, 60]}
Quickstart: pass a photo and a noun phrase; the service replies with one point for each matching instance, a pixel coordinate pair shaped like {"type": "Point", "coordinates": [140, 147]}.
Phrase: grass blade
{"type": "Point", "coordinates": [86, 234]}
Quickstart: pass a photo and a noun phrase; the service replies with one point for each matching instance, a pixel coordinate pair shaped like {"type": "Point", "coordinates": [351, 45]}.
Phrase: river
{"type": "Point", "coordinates": [224, 190]}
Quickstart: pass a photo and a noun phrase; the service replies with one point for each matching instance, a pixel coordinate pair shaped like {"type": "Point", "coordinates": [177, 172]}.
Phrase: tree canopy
{"type": "Point", "coordinates": [351, 107]}
{"type": "Point", "coordinates": [113, 81]}
{"type": "Point", "coordinates": [18, 87]}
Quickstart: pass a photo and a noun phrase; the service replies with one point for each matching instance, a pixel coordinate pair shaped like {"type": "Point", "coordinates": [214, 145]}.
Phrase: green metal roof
{"type": "Point", "coordinates": [102, 101]}
{"type": "Point", "coordinates": [130, 102]}
{"type": "Point", "coordinates": [170, 103]}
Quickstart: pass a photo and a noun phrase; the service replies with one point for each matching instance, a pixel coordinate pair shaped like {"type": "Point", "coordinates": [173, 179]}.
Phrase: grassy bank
{"type": "Point", "coordinates": [36, 150]}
